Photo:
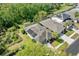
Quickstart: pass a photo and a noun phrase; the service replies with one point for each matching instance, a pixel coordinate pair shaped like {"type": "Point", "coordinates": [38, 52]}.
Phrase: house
{"type": "Point", "coordinates": [38, 33]}
{"type": "Point", "coordinates": [42, 32]}
{"type": "Point", "coordinates": [72, 13]}
{"type": "Point", "coordinates": [64, 16]}
{"type": "Point", "coordinates": [67, 20]}
{"type": "Point", "coordinates": [77, 20]}
{"type": "Point", "coordinates": [53, 24]}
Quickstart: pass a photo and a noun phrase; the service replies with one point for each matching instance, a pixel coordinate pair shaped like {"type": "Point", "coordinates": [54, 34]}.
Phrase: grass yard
{"type": "Point", "coordinates": [69, 32]}
{"type": "Point", "coordinates": [61, 49]}
{"type": "Point", "coordinates": [63, 8]}
{"type": "Point", "coordinates": [57, 42]}
{"type": "Point", "coordinates": [78, 38]}
{"type": "Point", "coordinates": [75, 36]}
{"type": "Point", "coordinates": [77, 25]}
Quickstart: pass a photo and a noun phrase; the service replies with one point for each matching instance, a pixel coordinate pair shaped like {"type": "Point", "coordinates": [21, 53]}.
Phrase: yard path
{"type": "Point", "coordinates": [67, 39]}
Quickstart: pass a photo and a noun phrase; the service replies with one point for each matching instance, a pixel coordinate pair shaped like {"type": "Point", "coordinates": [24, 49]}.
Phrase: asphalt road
{"type": "Point", "coordinates": [73, 49]}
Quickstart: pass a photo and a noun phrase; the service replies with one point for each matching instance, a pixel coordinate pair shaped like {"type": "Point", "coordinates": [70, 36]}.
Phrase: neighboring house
{"type": "Point", "coordinates": [72, 13]}
{"type": "Point", "coordinates": [64, 16]}
{"type": "Point", "coordinates": [69, 24]}
{"type": "Point", "coordinates": [67, 20]}
{"type": "Point", "coordinates": [53, 25]}
{"type": "Point", "coordinates": [77, 20]}
{"type": "Point", "coordinates": [38, 33]}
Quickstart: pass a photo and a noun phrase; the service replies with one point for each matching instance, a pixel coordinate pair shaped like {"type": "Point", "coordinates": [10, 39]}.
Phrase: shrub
{"type": "Point", "coordinates": [60, 40]}
{"type": "Point", "coordinates": [23, 31]}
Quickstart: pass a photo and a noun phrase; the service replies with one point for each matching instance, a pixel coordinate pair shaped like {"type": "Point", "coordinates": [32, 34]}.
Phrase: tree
{"type": "Point", "coordinates": [77, 14]}
{"type": "Point", "coordinates": [12, 14]}
{"type": "Point", "coordinates": [38, 17]}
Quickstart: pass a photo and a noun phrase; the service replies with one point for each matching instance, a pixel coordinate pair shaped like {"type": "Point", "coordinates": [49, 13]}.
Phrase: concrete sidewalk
{"type": "Point", "coordinates": [72, 34]}
{"type": "Point", "coordinates": [77, 31]}
{"type": "Point", "coordinates": [67, 39]}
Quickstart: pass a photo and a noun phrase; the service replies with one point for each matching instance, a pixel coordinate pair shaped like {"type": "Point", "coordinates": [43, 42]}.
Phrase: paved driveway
{"type": "Point", "coordinates": [77, 31]}
{"type": "Point", "coordinates": [67, 39]}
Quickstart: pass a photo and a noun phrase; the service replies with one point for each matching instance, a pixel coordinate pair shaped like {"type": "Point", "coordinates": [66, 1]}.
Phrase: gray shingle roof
{"type": "Point", "coordinates": [63, 16]}
{"type": "Point", "coordinates": [35, 29]}
{"type": "Point", "coordinates": [32, 33]}
{"type": "Point", "coordinates": [52, 25]}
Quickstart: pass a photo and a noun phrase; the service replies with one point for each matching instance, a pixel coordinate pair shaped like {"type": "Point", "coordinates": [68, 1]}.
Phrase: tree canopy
{"type": "Point", "coordinates": [10, 14]}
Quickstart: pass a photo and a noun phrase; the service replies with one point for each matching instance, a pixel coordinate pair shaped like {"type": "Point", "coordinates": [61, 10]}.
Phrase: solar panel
{"type": "Point", "coordinates": [31, 33]}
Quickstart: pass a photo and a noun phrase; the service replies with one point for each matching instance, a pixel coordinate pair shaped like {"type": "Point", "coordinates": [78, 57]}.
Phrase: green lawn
{"type": "Point", "coordinates": [63, 8]}
{"type": "Point", "coordinates": [77, 14]}
{"type": "Point", "coordinates": [78, 38]}
{"type": "Point", "coordinates": [57, 42]}
{"type": "Point", "coordinates": [69, 32]}
{"type": "Point", "coordinates": [75, 36]}
{"type": "Point", "coordinates": [77, 25]}
{"type": "Point", "coordinates": [61, 49]}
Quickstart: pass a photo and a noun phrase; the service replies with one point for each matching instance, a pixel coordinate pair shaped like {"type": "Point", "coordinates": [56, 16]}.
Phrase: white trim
{"type": "Point", "coordinates": [30, 35]}
{"type": "Point", "coordinates": [57, 19]}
